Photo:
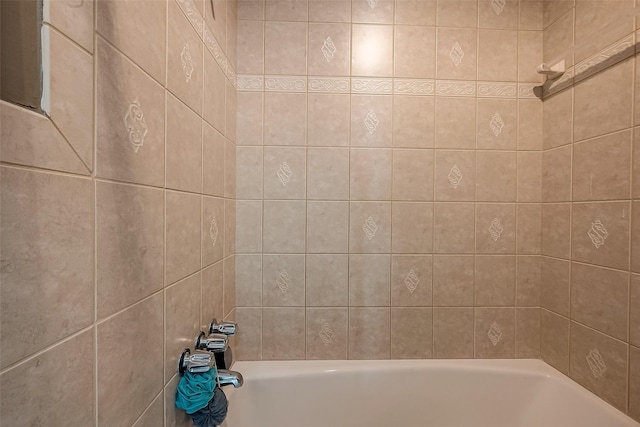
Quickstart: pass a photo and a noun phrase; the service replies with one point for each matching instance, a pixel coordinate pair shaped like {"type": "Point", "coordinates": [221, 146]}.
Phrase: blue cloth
{"type": "Point", "coordinates": [214, 413]}
{"type": "Point", "coordinates": [195, 390]}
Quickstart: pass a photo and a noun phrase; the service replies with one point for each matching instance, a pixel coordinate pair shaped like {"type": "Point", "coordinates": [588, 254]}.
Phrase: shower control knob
{"type": "Point", "coordinates": [224, 328]}
{"type": "Point", "coordinates": [215, 343]}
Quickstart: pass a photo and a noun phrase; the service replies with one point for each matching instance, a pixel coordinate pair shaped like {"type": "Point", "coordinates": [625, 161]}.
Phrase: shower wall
{"type": "Point", "coordinates": [118, 212]}
{"type": "Point", "coordinates": [590, 293]}
{"type": "Point", "coordinates": [388, 179]}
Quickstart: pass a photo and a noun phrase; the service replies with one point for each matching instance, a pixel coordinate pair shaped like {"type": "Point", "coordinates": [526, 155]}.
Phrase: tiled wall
{"type": "Point", "coordinates": [118, 212]}
{"type": "Point", "coordinates": [389, 179]}
{"type": "Point", "coordinates": [590, 294]}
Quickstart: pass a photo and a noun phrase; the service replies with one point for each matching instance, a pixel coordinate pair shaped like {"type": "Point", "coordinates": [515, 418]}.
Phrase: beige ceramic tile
{"type": "Point", "coordinates": [284, 226]}
{"type": "Point", "coordinates": [212, 161]}
{"type": "Point", "coordinates": [453, 280]}
{"type": "Point", "coordinates": [184, 59]}
{"type": "Point", "coordinates": [495, 333]}
{"type": "Point", "coordinates": [286, 10]}
{"type": "Point", "coordinates": [369, 333]}
{"type": "Point", "coordinates": [555, 9]}
{"type": "Point", "coordinates": [530, 127]}
{"type": "Point", "coordinates": [634, 311]}
{"type": "Point", "coordinates": [556, 230]}
{"type": "Point", "coordinates": [413, 121]}
{"type": "Point", "coordinates": [412, 175]}
{"type": "Point", "coordinates": [529, 231]}
{"type": "Point", "coordinates": [47, 246]}
{"type": "Point", "coordinates": [231, 107]}
{"type": "Point", "coordinates": [228, 286]}
{"type": "Point", "coordinates": [130, 120]}
{"type": "Point", "coordinates": [531, 13]}
{"type": "Point", "coordinates": [212, 293]}
{"type": "Point", "coordinates": [457, 13]}
{"type": "Point", "coordinates": [498, 15]}
{"type": "Point", "coordinates": [370, 174]}
{"type": "Point", "coordinates": [413, 59]}
{"type": "Point", "coordinates": [216, 15]}
{"type": "Point", "coordinates": [635, 237]}
{"type": "Point", "coordinates": [249, 173]}
{"type": "Point", "coordinates": [456, 50]}
{"type": "Point", "coordinates": [182, 235]}
{"type": "Point", "coordinates": [453, 332]}
{"type": "Point", "coordinates": [66, 370]}
{"type": "Point", "coordinates": [283, 333]}
{"type": "Point", "coordinates": [634, 383]}
{"type": "Point", "coordinates": [530, 176]}
{"type": "Point", "coordinates": [138, 29]}
{"type": "Point", "coordinates": [285, 120]}
{"type": "Point", "coordinates": [214, 98]}
{"type": "Point", "coordinates": [593, 15]}
{"type": "Point", "coordinates": [528, 333]}
{"type": "Point", "coordinates": [129, 245]}
{"type": "Point", "coordinates": [248, 234]}
{"type": "Point", "coordinates": [555, 285]}
{"type": "Point", "coordinates": [372, 50]}
{"type": "Point", "coordinates": [249, 280]}
{"type": "Point", "coordinates": [601, 168]}
{"type": "Point", "coordinates": [173, 417]}
{"type": "Point", "coordinates": [594, 117]}
{"type": "Point", "coordinates": [636, 165]}
{"type": "Point", "coordinates": [558, 37]}
{"type": "Point", "coordinates": [119, 366]}
{"type": "Point", "coordinates": [495, 281]}
{"type": "Point", "coordinates": [329, 116]}
{"type": "Point", "coordinates": [248, 344]}
{"type": "Point", "coordinates": [249, 115]}
{"type": "Point", "coordinates": [554, 340]}
{"type": "Point", "coordinates": [327, 227]}
{"type": "Point", "coordinates": [284, 173]}
{"type": "Point", "coordinates": [326, 336]}
{"type": "Point", "coordinates": [381, 12]}
{"type": "Point", "coordinates": [411, 333]}
{"type": "Point", "coordinates": [495, 228]}
{"type": "Point", "coordinates": [329, 49]}
{"type": "Point", "coordinates": [71, 93]}
{"type": "Point", "coordinates": [496, 179]}
{"type": "Point", "coordinates": [454, 228]}
{"type": "Point", "coordinates": [369, 280]}
{"type": "Point", "coordinates": [154, 414]}
{"type": "Point", "coordinates": [600, 298]}
{"type": "Point", "coordinates": [283, 280]}
{"type": "Point", "coordinates": [73, 19]}
{"type": "Point", "coordinates": [557, 114]}
{"type": "Point", "coordinates": [497, 124]}
{"type": "Point", "coordinates": [328, 173]}
{"type": "Point", "coordinates": [327, 281]}
{"type": "Point", "coordinates": [232, 33]}
{"type": "Point", "coordinates": [184, 147]}
{"type": "Point", "coordinates": [600, 233]}
{"type": "Point", "coordinates": [330, 11]}
{"type": "Point", "coordinates": [498, 55]}
{"type": "Point", "coordinates": [285, 48]}
{"type": "Point", "coordinates": [416, 12]}
{"type": "Point", "coordinates": [528, 279]}
{"type": "Point", "coordinates": [455, 175]}
{"type": "Point", "coordinates": [411, 281]}
{"type": "Point", "coordinates": [371, 121]}
{"type": "Point", "coordinates": [556, 175]}
{"type": "Point", "coordinates": [529, 55]}
{"type": "Point", "coordinates": [455, 123]}
{"type": "Point", "coordinates": [599, 363]}
{"type": "Point", "coordinates": [412, 228]}
{"type": "Point", "coordinates": [213, 226]}
{"type": "Point", "coordinates": [182, 319]}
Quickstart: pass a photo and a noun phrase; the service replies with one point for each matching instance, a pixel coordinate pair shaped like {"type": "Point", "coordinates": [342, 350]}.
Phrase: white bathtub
{"type": "Point", "coordinates": [415, 393]}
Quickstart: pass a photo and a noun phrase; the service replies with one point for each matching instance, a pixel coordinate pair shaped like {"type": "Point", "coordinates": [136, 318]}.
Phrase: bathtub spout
{"type": "Point", "coordinates": [227, 377]}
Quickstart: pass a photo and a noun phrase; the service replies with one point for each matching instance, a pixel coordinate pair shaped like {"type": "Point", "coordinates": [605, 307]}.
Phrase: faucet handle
{"type": "Point", "coordinates": [225, 328]}
{"type": "Point", "coordinates": [215, 343]}
{"type": "Point", "coordinates": [197, 363]}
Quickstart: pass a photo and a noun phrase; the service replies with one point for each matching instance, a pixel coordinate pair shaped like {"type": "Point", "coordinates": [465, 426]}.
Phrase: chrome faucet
{"type": "Point", "coordinates": [215, 343]}
{"type": "Point", "coordinates": [226, 377]}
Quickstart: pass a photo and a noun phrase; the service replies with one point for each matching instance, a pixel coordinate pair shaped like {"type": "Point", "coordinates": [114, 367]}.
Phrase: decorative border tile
{"type": "Point", "coordinates": [414, 86]}
{"type": "Point", "coordinates": [193, 15]}
{"type": "Point", "coordinates": [557, 85]}
{"type": "Point", "coordinates": [329, 84]}
{"type": "Point", "coordinates": [497, 90]}
{"type": "Point", "coordinates": [372, 86]}
{"type": "Point", "coordinates": [526, 90]}
{"type": "Point", "coordinates": [285, 83]}
{"type": "Point", "coordinates": [605, 58]}
{"type": "Point", "coordinates": [250, 83]}
{"type": "Point", "coordinates": [455, 88]}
